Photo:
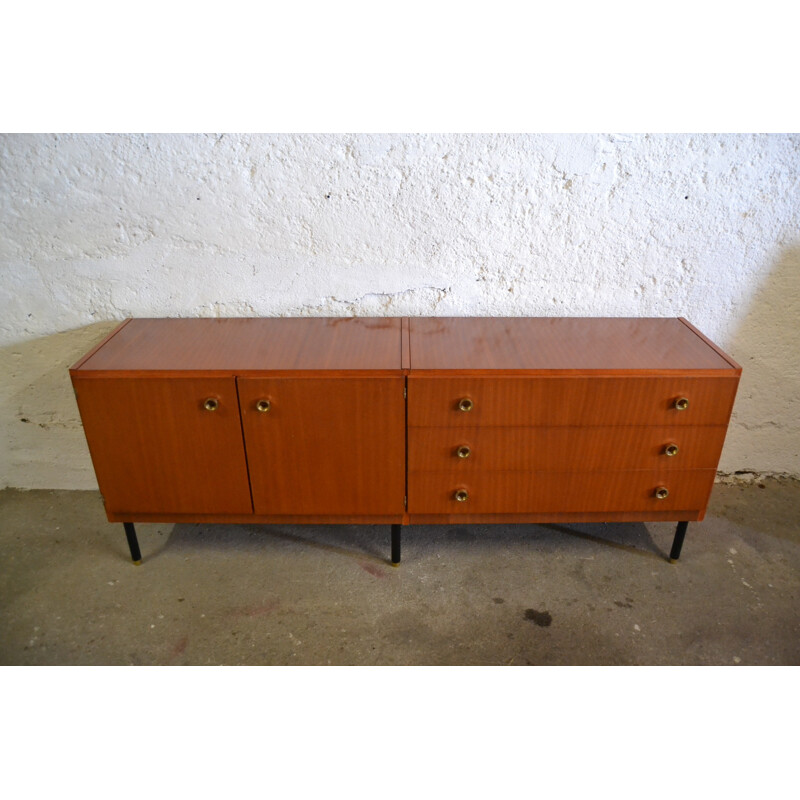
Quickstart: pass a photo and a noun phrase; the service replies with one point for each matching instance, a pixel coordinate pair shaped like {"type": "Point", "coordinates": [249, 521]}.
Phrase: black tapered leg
{"type": "Point", "coordinates": [133, 543]}
{"type": "Point", "coordinates": [677, 542]}
{"type": "Point", "coordinates": [395, 545]}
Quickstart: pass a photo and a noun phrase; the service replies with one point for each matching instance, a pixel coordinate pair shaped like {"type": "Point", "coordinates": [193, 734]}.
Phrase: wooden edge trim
{"type": "Point", "coordinates": [406, 369]}
{"type": "Point", "coordinates": [412, 374]}
{"type": "Point", "coordinates": [258, 519]}
{"type": "Point", "coordinates": [711, 344]}
{"type": "Point", "coordinates": [554, 518]}
{"type": "Point", "coordinates": [78, 364]}
{"type": "Point", "coordinates": [477, 473]}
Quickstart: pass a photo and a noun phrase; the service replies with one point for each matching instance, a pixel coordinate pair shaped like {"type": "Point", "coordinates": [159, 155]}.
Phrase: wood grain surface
{"type": "Point", "coordinates": [545, 492]}
{"type": "Point", "coordinates": [556, 517]}
{"type": "Point", "coordinates": [156, 449]}
{"type": "Point", "coordinates": [405, 349]}
{"type": "Point", "coordinates": [564, 449]}
{"type": "Point", "coordinates": [269, 519]}
{"type": "Point", "coordinates": [519, 401]}
{"type": "Point", "coordinates": [569, 421]}
{"type": "Point", "coordinates": [86, 356]}
{"type": "Point", "coordinates": [715, 347]}
{"type": "Point", "coordinates": [235, 345]}
{"type": "Point", "coordinates": [562, 343]}
{"type": "Point", "coordinates": [327, 446]}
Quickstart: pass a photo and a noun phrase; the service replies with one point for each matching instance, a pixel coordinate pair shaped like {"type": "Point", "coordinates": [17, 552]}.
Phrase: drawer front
{"type": "Point", "coordinates": [468, 451]}
{"type": "Point", "coordinates": [534, 401]}
{"type": "Point", "coordinates": [521, 492]}
{"type": "Point", "coordinates": [325, 446]}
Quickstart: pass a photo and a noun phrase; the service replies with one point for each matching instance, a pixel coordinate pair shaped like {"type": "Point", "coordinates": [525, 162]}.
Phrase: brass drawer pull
{"type": "Point", "coordinates": [465, 404]}
{"type": "Point", "coordinates": [461, 495]}
{"type": "Point", "coordinates": [463, 451]}
{"type": "Point", "coordinates": [662, 493]}
{"type": "Point", "coordinates": [682, 403]}
{"type": "Point", "coordinates": [211, 404]}
{"type": "Point", "coordinates": [671, 450]}
{"type": "Point", "coordinates": [263, 406]}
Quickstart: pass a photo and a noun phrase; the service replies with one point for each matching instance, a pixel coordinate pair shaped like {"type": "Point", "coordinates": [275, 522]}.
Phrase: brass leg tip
{"type": "Point", "coordinates": [673, 561]}
{"type": "Point", "coordinates": [137, 563]}
{"type": "Point", "coordinates": [395, 563]}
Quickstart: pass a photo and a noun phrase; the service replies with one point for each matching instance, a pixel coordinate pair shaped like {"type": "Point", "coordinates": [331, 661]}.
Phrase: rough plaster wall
{"type": "Point", "coordinates": [96, 228]}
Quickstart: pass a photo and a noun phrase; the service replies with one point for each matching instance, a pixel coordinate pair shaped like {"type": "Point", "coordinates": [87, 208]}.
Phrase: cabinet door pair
{"type": "Point", "coordinates": [225, 445]}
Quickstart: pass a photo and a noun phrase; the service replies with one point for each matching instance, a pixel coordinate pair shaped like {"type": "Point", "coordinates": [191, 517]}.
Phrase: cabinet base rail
{"type": "Point", "coordinates": [136, 555]}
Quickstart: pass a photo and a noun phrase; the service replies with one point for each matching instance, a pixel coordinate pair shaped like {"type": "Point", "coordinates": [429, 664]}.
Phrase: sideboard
{"type": "Point", "coordinates": [405, 420]}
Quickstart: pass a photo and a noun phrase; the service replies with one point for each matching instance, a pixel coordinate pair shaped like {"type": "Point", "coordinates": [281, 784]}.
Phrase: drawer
{"type": "Point", "coordinates": [522, 492]}
{"type": "Point", "coordinates": [467, 451]}
{"type": "Point", "coordinates": [566, 400]}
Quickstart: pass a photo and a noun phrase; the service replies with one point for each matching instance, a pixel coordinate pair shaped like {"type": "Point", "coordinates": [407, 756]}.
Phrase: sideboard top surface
{"type": "Point", "coordinates": [560, 343]}
{"type": "Point", "coordinates": [231, 344]}
{"type": "Point", "coordinates": [380, 344]}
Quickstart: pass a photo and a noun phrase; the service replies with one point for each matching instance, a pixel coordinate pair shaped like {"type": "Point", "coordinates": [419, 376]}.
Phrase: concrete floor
{"type": "Point", "coordinates": [471, 594]}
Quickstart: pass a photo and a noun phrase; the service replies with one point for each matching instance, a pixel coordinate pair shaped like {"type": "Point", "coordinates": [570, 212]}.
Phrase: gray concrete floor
{"type": "Point", "coordinates": [464, 594]}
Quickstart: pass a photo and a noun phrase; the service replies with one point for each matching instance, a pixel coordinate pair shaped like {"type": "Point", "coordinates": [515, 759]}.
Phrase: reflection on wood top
{"type": "Point", "coordinates": [275, 343]}
{"type": "Point", "coordinates": [559, 343]}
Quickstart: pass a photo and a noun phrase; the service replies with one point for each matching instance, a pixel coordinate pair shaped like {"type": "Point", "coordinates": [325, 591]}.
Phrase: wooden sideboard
{"type": "Point", "coordinates": [405, 420]}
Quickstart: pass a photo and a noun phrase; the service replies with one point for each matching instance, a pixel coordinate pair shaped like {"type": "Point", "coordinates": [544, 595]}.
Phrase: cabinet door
{"type": "Point", "coordinates": [325, 446]}
{"type": "Point", "coordinates": [156, 448]}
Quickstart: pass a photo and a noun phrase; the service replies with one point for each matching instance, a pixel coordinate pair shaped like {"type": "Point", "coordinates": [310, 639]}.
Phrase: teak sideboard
{"type": "Point", "coordinates": [405, 420]}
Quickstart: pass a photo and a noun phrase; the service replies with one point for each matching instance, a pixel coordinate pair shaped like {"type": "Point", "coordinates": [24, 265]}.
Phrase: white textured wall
{"type": "Point", "coordinates": [97, 228]}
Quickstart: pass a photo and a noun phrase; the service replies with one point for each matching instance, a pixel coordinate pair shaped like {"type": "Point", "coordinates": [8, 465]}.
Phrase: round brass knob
{"type": "Point", "coordinates": [212, 404]}
{"type": "Point", "coordinates": [682, 403]}
{"type": "Point", "coordinates": [671, 450]}
{"type": "Point", "coordinates": [461, 495]}
{"type": "Point", "coordinates": [463, 451]}
{"type": "Point", "coordinates": [662, 493]}
{"type": "Point", "coordinates": [263, 406]}
{"type": "Point", "coordinates": [465, 404]}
